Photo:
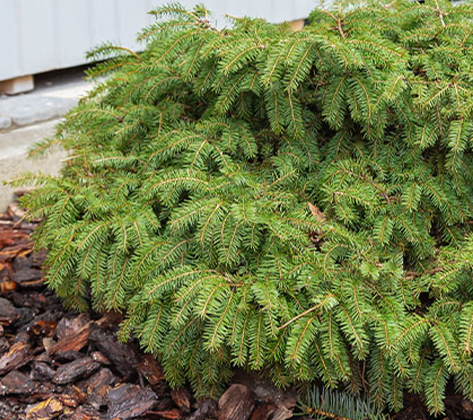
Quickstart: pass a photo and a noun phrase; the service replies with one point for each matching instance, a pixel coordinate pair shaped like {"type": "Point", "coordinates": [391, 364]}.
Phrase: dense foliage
{"type": "Point", "coordinates": [299, 203]}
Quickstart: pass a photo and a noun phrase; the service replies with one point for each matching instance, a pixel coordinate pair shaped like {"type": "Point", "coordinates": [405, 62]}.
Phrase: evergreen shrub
{"type": "Point", "coordinates": [299, 203]}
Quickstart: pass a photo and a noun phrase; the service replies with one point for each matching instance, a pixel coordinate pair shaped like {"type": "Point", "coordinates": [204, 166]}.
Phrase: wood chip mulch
{"type": "Point", "coordinates": [58, 364]}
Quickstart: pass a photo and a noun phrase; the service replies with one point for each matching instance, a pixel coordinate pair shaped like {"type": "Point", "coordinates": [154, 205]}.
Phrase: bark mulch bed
{"type": "Point", "coordinates": [57, 364]}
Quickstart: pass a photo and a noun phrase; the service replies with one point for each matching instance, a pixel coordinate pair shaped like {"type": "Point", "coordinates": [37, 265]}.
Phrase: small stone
{"type": "Point", "coordinates": [48, 343]}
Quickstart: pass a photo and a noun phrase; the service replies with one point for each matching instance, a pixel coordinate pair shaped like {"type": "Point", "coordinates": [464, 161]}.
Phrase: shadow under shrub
{"type": "Point", "coordinates": [299, 203]}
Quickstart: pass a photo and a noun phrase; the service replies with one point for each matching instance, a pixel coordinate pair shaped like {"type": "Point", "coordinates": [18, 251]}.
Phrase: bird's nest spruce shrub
{"type": "Point", "coordinates": [298, 203]}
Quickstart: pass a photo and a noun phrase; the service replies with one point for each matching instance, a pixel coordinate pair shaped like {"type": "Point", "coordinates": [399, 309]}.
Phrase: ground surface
{"type": "Point", "coordinates": [57, 364]}
{"type": "Point", "coordinates": [32, 116]}
{"type": "Point", "coordinates": [54, 94]}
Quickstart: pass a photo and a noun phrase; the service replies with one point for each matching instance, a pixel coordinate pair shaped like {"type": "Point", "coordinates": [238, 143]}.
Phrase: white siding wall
{"type": "Point", "coordinates": [42, 35]}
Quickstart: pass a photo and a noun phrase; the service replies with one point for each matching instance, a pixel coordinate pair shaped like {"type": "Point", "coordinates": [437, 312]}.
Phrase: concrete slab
{"type": "Point", "coordinates": [51, 99]}
{"type": "Point", "coordinates": [14, 146]}
{"type": "Point", "coordinates": [5, 122]}
{"type": "Point", "coordinates": [27, 118]}
{"type": "Point", "coordinates": [27, 110]}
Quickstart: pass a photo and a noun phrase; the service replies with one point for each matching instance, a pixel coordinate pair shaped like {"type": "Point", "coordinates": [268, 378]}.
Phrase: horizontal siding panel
{"type": "Point", "coordinates": [42, 35]}
{"type": "Point", "coordinates": [103, 25]}
{"type": "Point", "coordinates": [71, 32]}
{"type": "Point", "coordinates": [11, 62]}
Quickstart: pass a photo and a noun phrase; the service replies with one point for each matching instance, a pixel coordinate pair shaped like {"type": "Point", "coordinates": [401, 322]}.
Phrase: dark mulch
{"type": "Point", "coordinates": [57, 364]}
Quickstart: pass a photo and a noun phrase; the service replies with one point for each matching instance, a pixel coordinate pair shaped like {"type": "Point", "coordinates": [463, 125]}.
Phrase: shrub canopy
{"type": "Point", "coordinates": [299, 203]}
